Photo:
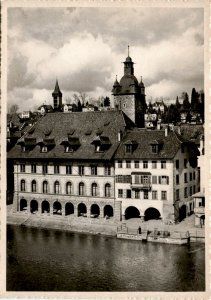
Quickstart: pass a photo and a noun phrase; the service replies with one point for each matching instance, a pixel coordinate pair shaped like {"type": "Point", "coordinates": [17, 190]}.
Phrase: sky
{"type": "Point", "coordinates": [84, 49]}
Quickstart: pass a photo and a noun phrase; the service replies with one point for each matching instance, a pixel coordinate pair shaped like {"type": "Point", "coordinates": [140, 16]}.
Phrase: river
{"type": "Point", "coordinates": [51, 260]}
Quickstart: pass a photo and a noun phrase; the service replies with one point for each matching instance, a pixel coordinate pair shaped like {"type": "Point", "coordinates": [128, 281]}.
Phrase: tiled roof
{"type": "Point", "coordinates": [191, 132]}
{"type": "Point", "coordinates": [78, 123]}
{"type": "Point", "coordinates": [145, 138]}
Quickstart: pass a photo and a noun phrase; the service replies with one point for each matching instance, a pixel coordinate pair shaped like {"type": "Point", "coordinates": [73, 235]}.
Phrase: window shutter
{"type": "Point", "coordinates": [167, 179]}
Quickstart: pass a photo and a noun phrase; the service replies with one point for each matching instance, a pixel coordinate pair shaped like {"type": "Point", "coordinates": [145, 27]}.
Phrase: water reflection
{"type": "Point", "coordinates": [44, 260]}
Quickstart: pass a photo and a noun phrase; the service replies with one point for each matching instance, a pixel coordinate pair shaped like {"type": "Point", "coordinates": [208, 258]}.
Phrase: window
{"type": "Point", "coordinates": [177, 195]}
{"type": "Point", "coordinates": [56, 187]}
{"type": "Point", "coordinates": [81, 170]}
{"type": "Point", "coordinates": [185, 163]}
{"type": "Point", "coordinates": [163, 180]}
{"type": "Point", "coordinates": [45, 169]}
{"type": "Point", "coordinates": [185, 178]}
{"type": "Point", "coordinates": [191, 191]}
{"type": "Point", "coordinates": [163, 195]}
{"type": "Point", "coordinates": [177, 164]}
{"type": "Point", "coordinates": [81, 189]}
{"type": "Point", "coordinates": [136, 164]}
{"type": "Point", "coordinates": [119, 164]}
{"type": "Point", "coordinates": [128, 164]}
{"type": "Point", "coordinates": [56, 169]}
{"type": "Point", "coordinates": [68, 187]}
{"type": "Point", "coordinates": [154, 148]}
{"type": "Point", "coordinates": [145, 164]}
{"type": "Point", "coordinates": [163, 164]}
{"type": "Point", "coordinates": [23, 148]}
{"type": "Point", "coordinates": [69, 169]}
{"type": "Point", "coordinates": [185, 192]}
{"type": "Point", "coordinates": [45, 187]}
{"type": "Point", "coordinates": [68, 149]}
{"type": "Point", "coordinates": [142, 179]}
{"type": "Point", "coordinates": [128, 148]}
{"type": "Point", "coordinates": [146, 195]}
{"type": "Point", "coordinates": [154, 164]}
{"type": "Point", "coordinates": [194, 189]}
{"type": "Point", "coordinates": [128, 193]}
{"type": "Point", "coordinates": [23, 185]}
{"type": "Point", "coordinates": [93, 170]}
{"type": "Point", "coordinates": [154, 195]}
{"type": "Point", "coordinates": [190, 176]}
{"type": "Point", "coordinates": [194, 175]}
{"type": "Point", "coordinates": [154, 179]}
{"type": "Point", "coordinates": [94, 189]}
{"type": "Point", "coordinates": [22, 168]}
{"type": "Point", "coordinates": [120, 193]}
{"type": "Point", "coordinates": [33, 186]}
{"type": "Point", "coordinates": [177, 179]}
{"type": "Point", "coordinates": [123, 178]}
{"type": "Point", "coordinates": [44, 149]}
{"type": "Point", "coordinates": [107, 170]}
{"type": "Point", "coordinates": [33, 168]}
{"type": "Point", "coordinates": [137, 194]}
{"type": "Point", "coordinates": [107, 190]}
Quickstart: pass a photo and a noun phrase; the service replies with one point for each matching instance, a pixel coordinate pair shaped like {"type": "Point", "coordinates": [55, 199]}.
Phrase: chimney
{"type": "Point", "coordinates": [119, 135]}
{"type": "Point", "coordinates": [166, 131]}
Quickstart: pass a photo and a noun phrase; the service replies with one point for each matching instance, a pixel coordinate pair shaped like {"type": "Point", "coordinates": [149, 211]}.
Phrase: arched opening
{"type": "Point", "coordinates": [95, 211]}
{"type": "Point", "coordinates": [107, 190]}
{"type": "Point", "coordinates": [69, 209]}
{"type": "Point", "coordinates": [69, 188]}
{"type": "Point", "coordinates": [57, 208]}
{"type": "Point", "coordinates": [34, 206]}
{"type": "Point", "coordinates": [152, 214]}
{"type": "Point", "coordinates": [45, 207]}
{"type": "Point", "coordinates": [131, 212]}
{"type": "Point", "coordinates": [56, 187]}
{"type": "Point", "coordinates": [23, 185]}
{"type": "Point", "coordinates": [81, 189]}
{"type": "Point", "coordinates": [33, 186]}
{"type": "Point", "coordinates": [182, 212]}
{"type": "Point", "coordinates": [23, 205]}
{"type": "Point", "coordinates": [94, 189]}
{"type": "Point", "coordinates": [108, 211]}
{"type": "Point", "coordinates": [82, 210]}
{"type": "Point", "coordinates": [45, 187]}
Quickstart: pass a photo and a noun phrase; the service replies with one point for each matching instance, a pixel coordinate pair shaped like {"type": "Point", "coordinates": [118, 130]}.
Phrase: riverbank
{"type": "Point", "coordinates": [108, 227]}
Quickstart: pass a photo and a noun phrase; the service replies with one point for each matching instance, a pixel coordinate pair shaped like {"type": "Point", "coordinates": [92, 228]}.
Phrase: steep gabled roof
{"type": "Point", "coordinates": [145, 139]}
{"type": "Point", "coordinates": [60, 125]}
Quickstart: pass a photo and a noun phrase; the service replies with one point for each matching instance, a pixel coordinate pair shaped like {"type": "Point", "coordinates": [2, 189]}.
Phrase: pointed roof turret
{"type": "Point", "coordinates": [57, 91]}
{"type": "Point", "coordinates": [116, 83]}
{"type": "Point", "coordinates": [141, 83]}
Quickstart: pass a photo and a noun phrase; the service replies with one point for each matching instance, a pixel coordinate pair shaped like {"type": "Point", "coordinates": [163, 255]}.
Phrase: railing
{"type": "Point", "coordinates": [142, 186]}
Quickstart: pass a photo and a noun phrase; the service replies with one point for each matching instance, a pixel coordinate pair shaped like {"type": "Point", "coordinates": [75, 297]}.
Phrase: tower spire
{"type": "Point", "coordinates": [128, 50]}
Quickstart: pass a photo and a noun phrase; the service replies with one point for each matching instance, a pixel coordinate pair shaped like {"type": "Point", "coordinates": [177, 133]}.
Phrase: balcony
{"type": "Point", "coordinates": [141, 186]}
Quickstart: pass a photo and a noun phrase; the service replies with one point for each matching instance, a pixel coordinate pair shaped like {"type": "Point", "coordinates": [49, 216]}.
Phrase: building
{"type": "Point", "coordinates": [129, 94]}
{"type": "Point", "coordinates": [155, 173]}
{"type": "Point", "coordinates": [44, 109]}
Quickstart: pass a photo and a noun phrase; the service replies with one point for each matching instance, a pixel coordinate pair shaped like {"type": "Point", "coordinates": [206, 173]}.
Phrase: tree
{"type": "Point", "coordinates": [173, 114]}
{"type": "Point", "coordinates": [194, 101]}
{"type": "Point", "coordinates": [186, 103]}
{"type": "Point", "coordinates": [106, 101]}
{"type": "Point", "coordinates": [178, 105]}
{"type": "Point", "coordinates": [79, 106]}
{"type": "Point", "coordinates": [13, 109]}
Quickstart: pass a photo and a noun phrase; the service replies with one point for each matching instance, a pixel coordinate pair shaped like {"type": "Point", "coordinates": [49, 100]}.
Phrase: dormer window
{"type": "Point", "coordinates": [154, 148]}
{"type": "Point", "coordinates": [68, 148]}
{"type": "Point", "coordinates": [23, 149]}
{"type": "Point", "coordinates": [44, 149]}
{"type": "Point", "coordinates": [102, 143]}
{"type": "Point", "coordinates": [98, 148]}
{"type": "Point", "coordinates": [128, 148]}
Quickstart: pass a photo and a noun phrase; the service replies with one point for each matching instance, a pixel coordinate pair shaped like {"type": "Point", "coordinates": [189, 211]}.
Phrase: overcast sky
{"type": "Point", "coordinates": [84, 48]}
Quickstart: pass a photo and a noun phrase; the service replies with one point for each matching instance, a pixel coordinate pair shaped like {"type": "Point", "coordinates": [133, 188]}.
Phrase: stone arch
{"type": "Point", "coordinates": [45, 207]}
{"type": "Point", "coordinates": [34, 206]}
{"type": "Point", "coordinates": [152, 213]}
{"type": "Point", "coordinates": [69, 209]}
{"type": "Point", "coordinates": [82, 209]}
{"type": "Point", "coordinates": [23, 204]}
{"type": "Point", "coordinates": [182, 212]}
{"type": "Point", "coordinates": [95, 210]}
{"type": "Point", "coordinates": [57, 208]}
{"type": "Point", "coordinates": [132, 212]}
{"type": "Point", "coordinates": [108, 211]}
